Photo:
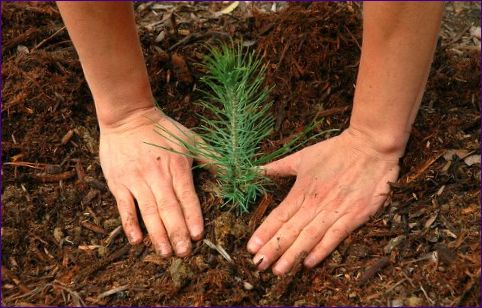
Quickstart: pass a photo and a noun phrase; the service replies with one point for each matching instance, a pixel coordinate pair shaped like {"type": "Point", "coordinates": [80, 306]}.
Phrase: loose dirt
{"type": "Point", "coordinates": [61, 237]}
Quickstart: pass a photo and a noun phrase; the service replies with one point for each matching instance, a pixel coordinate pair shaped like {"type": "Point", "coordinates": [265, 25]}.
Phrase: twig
{"type": "Point", "coordinates": [48, 38]}
{"type": "Point", "coordinates": [77, 299]}
{"type": "Point", "coordinates": [112, 291]}
{"type": "Point", "coordinates": [51, 178]}
{"type": "Point", "coordinates": [219, 249]}
{"type": "Point", "coordinates": [373, 269]}
{"type": "Point", "coordinates": [353, 37]}
{"type": "Point", "coordinates": [408, 279]}
{"type": "Point", "coordinates": [92, 227]}
{"type": "Point", "coordinates": [17, 40]}
{"type": "Point", "coordinates": [395, 285]}
{"type": "Point", "coordinates": [40, 166]}
{"type": "Point", "coordinates": [426, 295]}
{"type": "Point", "coordinates": [113, 235]}
{"type": "Point", "coordinates": [431, 255]}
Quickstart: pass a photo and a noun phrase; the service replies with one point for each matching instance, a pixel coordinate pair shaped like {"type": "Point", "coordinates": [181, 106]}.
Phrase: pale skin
{"type": "Point", "coordinates": [341, 182]}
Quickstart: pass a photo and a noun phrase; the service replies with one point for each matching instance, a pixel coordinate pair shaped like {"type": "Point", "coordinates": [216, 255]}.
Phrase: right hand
{"type": "Point", "coordinates": [160, 181]}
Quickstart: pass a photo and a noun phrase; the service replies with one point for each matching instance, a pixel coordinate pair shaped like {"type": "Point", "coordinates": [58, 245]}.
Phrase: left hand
{"type": "Point", "coordinates": [340, 183]}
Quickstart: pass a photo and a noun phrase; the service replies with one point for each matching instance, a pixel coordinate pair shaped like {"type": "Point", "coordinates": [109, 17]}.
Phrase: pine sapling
{"type": "Point", "coordinates": [237, 121]}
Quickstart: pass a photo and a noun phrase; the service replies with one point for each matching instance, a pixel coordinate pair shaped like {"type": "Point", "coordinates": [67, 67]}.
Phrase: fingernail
{"type": "Point", "coordinates": [182, 248]}
{"type": "Point", "coordinates": [164, 249]}
{"type": "Point", "coordinates": [309, 262]}
{"type": "Point", "coordinates": [281, 267]}
{"type": "Point", "coordinates": [131, 238]}
{"type": "Point", "coordinates": [196, 232]}
{"type": "Point", "coordinates": [254, 244]}
{"type": "Point", "coordinates": [258, 260]}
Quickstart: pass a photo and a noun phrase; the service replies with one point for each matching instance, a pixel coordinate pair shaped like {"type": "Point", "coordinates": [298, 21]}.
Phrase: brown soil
{"type": "Point", "coordinates": [57, 215]}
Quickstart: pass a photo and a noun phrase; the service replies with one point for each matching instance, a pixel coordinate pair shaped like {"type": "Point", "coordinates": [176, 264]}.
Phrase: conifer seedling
{"type": "Point", "coordinates": [237, 121]}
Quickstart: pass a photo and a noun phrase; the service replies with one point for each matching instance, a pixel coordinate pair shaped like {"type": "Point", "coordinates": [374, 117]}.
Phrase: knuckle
{"type": "Point", "coordinates": [167, 206]}
{"type": "Point", "coordinates": [181, 162]}
{"type": "Point", "coordinates": [188, 196]}
{"type": "Point", "coordinates": [149, 209]}
{"type": "Point", "coordinates": [122, 204]}
{"type": "Point", "coordinates": [309, 231]}
{"type": "Point", "coordinates": [290, 230]}
{"type": "Point", "coordinates": [280, 215]}
{"type": "Point", "coordinates": [340, 232]}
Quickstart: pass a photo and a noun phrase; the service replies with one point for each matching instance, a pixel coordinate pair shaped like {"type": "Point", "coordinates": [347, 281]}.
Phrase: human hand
{"type": "Point", "coordinates": [340, 183]}
{"type": "Point", "coordinates": [159, 180]}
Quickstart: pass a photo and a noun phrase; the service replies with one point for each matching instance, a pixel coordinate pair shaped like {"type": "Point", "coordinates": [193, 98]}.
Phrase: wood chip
{"type": "Point", "coordinates": [181, 71]}
{"type": "Point", "coordinates": [430, 221]}
{"type": "Point", "coordinates": [51, 178]}
{"type": "Point", "coordinates": [472, 160]}
{"type": "Point", "coordinates": [259, 212]}
{"type": "Point", "coordinates": [373, 269]}
{"type": "Point", "coordinates": [66, 138]}
{"type": "Point", "coordinates": [92, 227]}
{"type": "Point", "coordinates": [160, 37]}
{"type": "Point", "coordinates": [155, 259]}
{"type": "Point", "coordinates": [394, 242]}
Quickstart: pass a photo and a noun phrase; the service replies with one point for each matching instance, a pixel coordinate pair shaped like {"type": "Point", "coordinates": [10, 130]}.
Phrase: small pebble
{"type": "Point", "coordinates": [247, 286]}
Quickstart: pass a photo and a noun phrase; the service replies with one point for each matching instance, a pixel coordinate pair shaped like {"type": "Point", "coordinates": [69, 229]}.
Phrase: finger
{"type": "Point", "coordinates": [186, 194]}
{"type": "Point", "coordinates": [278, 244]}
{"type": "Point", "coordinates": [307, 239]}
{"type": "Point", "coordinates": [171, 215]}
{"type": "Point", "coordinates": [279, 216]}
{"type": "Point", "coordinates": [150, 215]}
{"type": "Point", "coordinates": [334, 236]}
{"type": "Point", "coordinates": [127, 211]}
{"type": "Point", "coordinates": [283, 167]}
{"type": "Point", "coordinates": [287, 234]}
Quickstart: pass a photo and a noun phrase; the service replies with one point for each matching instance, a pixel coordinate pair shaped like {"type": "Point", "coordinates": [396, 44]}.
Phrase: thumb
{"type": "Point", "coordinates": [283, 167]}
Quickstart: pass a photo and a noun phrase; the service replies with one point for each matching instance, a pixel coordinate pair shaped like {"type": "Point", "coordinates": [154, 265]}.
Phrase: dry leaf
{"type": "Point", "coordinates": [227, 9]}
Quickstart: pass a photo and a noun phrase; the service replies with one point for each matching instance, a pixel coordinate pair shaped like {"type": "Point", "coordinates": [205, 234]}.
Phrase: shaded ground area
{"type": "Point", "coordinates": [61, 236]}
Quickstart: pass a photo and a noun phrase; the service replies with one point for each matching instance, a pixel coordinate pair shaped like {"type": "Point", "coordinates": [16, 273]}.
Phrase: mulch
{"type": "Point", "coordinates": [61, 237]}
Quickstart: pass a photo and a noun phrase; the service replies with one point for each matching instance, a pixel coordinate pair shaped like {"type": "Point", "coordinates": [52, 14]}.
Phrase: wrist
{"type": "Point", "coordinates": [137, 113]}
{"type": "Point", "coordinates": [112, 111]}
{"type": "Point", "coordinates": [384, 145]}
